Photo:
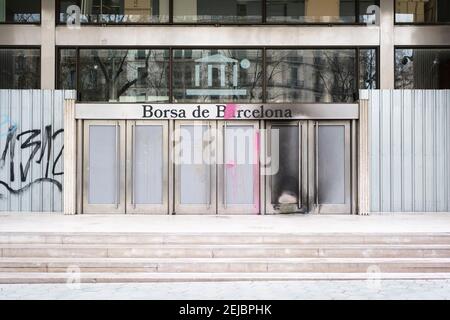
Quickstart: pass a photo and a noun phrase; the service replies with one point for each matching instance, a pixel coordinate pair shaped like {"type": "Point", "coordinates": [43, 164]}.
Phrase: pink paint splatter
{"type": "Point", "coordinates": [230, 165]}
{"type": "Point", "coordinates": [230, 111]}
{"type": "Point", "coordinates": [256, 199]}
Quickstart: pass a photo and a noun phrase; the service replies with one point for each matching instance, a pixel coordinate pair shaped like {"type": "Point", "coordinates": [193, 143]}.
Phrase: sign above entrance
{"type": "Point", "coordinates": [216, 111]}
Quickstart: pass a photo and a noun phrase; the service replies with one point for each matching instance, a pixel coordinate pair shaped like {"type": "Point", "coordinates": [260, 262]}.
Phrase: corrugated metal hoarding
{"type": "Point", "coordinates": [31, 150]}
{"type": "Point", "coordinates": [409, 150]}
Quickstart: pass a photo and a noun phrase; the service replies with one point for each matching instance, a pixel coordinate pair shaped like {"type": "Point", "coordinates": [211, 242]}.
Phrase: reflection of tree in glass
{"type": "Point", "coordinates": [19, 68]}
{"type": "Point", "coordinates": [404, 71]}
{"type": "Point", "coordinates": [338, 76]}
{"type": "Point", "coordinates": [311, 75]}
{"type": "Point", "coordinates": [368, 69]}
{"type": "Point", "coordinates": [124, 73]}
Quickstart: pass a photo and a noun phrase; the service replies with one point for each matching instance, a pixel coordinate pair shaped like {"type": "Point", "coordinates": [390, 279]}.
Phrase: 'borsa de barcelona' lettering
{"type": "Point", "coordinates": [219, 111]}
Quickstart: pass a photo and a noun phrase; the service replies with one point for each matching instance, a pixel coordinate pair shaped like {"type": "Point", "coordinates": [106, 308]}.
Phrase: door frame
{"type": "Point", "coordinates": [237, 209]}
{"type": "Point", "coordinates": [313, 144]}
{"type": "Point", "coordinates": [196, 209]}
{"type": "Point", "coordinates": [119, 206]}
{"type": "Point", "coordinates": [302, 205]}
{"type": "Point", "coordinates": [131, 206]}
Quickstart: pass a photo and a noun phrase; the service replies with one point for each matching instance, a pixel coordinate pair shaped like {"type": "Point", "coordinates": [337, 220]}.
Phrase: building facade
{"type": "Point", "coordinates": [162, 83]}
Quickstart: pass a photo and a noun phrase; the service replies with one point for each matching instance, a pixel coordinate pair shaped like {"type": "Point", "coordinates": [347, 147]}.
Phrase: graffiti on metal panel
{"type": "Point", "coordinates": [40, 144]}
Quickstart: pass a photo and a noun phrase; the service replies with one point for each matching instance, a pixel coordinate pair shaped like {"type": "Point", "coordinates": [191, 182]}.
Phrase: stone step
{"type": "Point", "coordinates": [224, 251]}
{"type": "Point", "coordinates": [224, 238]}
{"type": "Point", "coordinates": [106, 277]}
{"type": "Point", "coordinates": [334, 265]}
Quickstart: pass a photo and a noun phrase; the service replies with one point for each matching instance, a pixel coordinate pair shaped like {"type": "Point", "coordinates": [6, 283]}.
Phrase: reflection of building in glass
{"type": "Point", "coordinates": [312, 75]}
{"type": "Point", "coordinates": [123, 75]}
{"type": "Point", "coordinates": [204, 75]}
{"type": "Point", "coordinates": [420, 11]}
{"type": "Point", "coordinates": [19, 68]}
{"type": "Point", "coordinates": [422, 69]}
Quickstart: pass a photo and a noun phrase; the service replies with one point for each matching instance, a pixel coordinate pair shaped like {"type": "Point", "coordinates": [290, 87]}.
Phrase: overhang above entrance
{"type": "Point", "coordinates": [216, 111]}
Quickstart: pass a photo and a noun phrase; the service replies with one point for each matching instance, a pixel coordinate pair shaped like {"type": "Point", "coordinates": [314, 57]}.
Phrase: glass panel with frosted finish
{"type": "Point", "coordinates": [217, 11]}
{"type": "Point", "coordinates": [285, 183]}
{"type": "Point", "coordinates": [194, 174]}
{"type": "Point", "coordinates": [422, 68]}
{"type": "Point", "coordinates": [118, 11]}
{"type": "Point", "coordinates": [124, 75]}
{"type": "Point", "coordinates": [331, 166]}
{"type": "Point", "coordinates": [217, 75]}
{"type": "Point", "coordinates": [148, 165]}
{"type": "Point", "coordinates": [239, 164]}
{"type": "Point", "coordinates": [103, 179]}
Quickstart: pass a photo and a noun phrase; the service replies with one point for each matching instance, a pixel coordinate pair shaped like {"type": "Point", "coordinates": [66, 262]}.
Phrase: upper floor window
{"type": "Point", "coordinates": [319, 75]}
{"type": "Point", "coordinates": [20, 68]}
{"type": "Point", "coordinates": [214, 75]}
{"type": "Point", "coordinates": [117, 11]}
{"type": "Point", "coordinates": [20, 11]}
{"type": "Point", "coordinates": [422, 11]}
{"type": "Point", "coordinates": [217, 11]}
{"type": "Point", "coordinates": [318, 11]}
{"type": "Point", "coordinates": [422, 68]}
{"type": "Point", "coordinates": [210, 75]}
{"type": "Point", "coordinates": [115, 75]}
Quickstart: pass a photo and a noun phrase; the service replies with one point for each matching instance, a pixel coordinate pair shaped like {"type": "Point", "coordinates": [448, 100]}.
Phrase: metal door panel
{"type": "Point", "coordinates": [104, 167]}
{"type": "Point", "coordinates": [292, 174]}
{"type": "Point", "coordinates": [330, 166]}
{"type": "Point", "coordinates": [195, 170]}
{"type": "Point", "coordinates": [239, 170]}
{"type": "Point", "coordinates": [147, 167]}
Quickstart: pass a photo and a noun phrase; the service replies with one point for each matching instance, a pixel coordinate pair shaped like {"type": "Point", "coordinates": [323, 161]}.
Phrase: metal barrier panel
{"type": "Point", "coordinates": [31, 150]}
{"type": "Point", "coordinates": [409, 153]}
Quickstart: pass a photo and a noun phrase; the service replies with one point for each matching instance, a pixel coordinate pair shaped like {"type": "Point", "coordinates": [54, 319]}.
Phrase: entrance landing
{"type": "Point", "coordinates": [386, 223]}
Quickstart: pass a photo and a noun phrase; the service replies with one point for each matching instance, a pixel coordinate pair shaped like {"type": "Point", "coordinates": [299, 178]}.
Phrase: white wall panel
{"type": "Point", "coordinates": [409, 150]}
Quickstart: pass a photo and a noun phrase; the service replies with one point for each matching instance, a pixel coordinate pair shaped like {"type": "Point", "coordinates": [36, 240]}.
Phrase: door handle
{"type": "Point", "coordinates": [300, 160]}
{"type": "Point", "coordinates": [224, 167]}
{"type": "Point", "coordinates": [210, 170]}
{"type": "Point", "coordinates": [316, 156]}
{"type": "Point", "coordinates": [118, 165]}
{"type": "Point", "coordinates": [133, 159]}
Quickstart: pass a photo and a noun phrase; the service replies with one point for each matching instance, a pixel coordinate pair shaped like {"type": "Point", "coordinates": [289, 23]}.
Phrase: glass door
{"type": "Point", "coordinates": [286, 183]}
{"type": "Point", "coordinates": [147, 167]}
{"type": "Point", "coordinates": [330, 169]}
{"type": "Point", "coordinates": [238, 168]}
{"type": "Point", "coordinates": [104, 167]}
{"type": "Point", "coordinates": [195, 167]}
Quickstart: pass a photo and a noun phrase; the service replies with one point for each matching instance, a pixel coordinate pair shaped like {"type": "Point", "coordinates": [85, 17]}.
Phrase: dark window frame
{"type": "Point", "coordinates": [262, 23]}
{"type": "Point", "coordinates": [264, 61]}
{"type": "Point", "coordinates": [38, 23]}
